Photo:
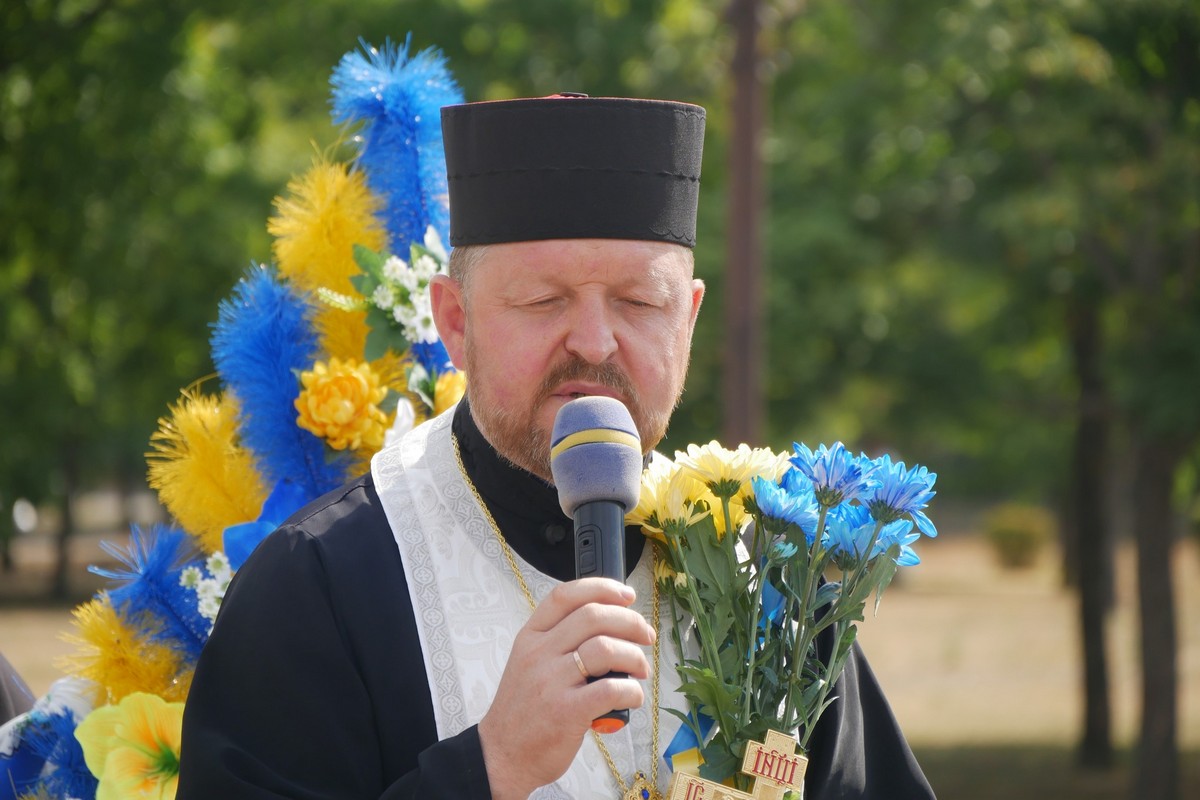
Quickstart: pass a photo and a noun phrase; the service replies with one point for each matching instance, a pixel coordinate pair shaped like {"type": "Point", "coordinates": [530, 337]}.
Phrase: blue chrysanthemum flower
{"type": "Point", "coordinates": [902, 492]}
{"type": "Point", "coordinates": [837, 476]}
{"type": "Point", "coordinates": [899, 533]}
{"type": "Point", "coordinates": [796, 506]}
{"type": "Point", "coordinates": [782, 551]}
{"type": "Point", "coordinates": [848, 535]}
{"type": "Point", "coordinates": [853, 514]}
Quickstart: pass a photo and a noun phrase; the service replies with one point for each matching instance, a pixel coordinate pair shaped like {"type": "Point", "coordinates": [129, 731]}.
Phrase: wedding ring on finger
{"type": "Point", "coordinates": [579, 663]}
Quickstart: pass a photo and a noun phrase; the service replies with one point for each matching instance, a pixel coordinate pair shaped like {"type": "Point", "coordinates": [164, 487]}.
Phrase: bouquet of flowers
{"type": "Point", "coordinates": [759, 556]}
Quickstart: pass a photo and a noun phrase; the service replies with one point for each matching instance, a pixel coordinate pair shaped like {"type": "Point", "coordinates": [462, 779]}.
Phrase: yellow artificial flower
{"type": "Point", "coordinates": [449, 390]}
{"type": "Point", "coordinates": [728, 472]}
{"type": "Point", "coordinates": [133, 747]}
{"type": "Point", "coordinates": [340, 403]}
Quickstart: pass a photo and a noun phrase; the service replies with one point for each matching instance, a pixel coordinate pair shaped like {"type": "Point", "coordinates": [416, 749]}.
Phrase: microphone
{"type": "Point", "coordinates": [596, 462]}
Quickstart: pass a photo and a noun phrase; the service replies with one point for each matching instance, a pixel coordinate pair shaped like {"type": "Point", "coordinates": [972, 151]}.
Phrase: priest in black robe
{"type": "Point", "coordinates": [377, 644]}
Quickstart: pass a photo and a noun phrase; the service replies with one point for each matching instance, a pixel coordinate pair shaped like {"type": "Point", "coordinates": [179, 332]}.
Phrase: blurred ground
{"type": "Point", "coordinates": [981, 666]}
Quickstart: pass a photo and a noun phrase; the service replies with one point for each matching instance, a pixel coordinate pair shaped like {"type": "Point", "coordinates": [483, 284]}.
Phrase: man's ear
{"type": "Point", "coordinates": [697, 299]}
{"type": "Point", "coordinates": [450, 316]}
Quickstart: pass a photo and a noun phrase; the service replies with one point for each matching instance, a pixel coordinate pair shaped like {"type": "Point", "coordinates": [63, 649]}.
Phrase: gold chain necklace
{"type": "Point", "coordinates": [641, 788]}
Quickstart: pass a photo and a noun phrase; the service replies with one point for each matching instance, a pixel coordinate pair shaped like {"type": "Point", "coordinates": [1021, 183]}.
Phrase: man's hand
{"type": "Point", "coordinates": [543, 707]}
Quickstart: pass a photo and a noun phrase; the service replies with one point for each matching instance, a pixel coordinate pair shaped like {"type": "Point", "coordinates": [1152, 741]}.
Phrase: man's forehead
{"type": "Point", "coordinates": [570, 254]}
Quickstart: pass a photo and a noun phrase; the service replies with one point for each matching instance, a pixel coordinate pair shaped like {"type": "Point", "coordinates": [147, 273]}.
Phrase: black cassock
{"type": "Point", "coordinates": [313, 684]}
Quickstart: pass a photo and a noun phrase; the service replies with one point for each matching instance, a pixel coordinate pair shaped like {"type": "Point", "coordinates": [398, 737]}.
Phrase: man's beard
{"type": "Point", "coordinates": [514, 432]}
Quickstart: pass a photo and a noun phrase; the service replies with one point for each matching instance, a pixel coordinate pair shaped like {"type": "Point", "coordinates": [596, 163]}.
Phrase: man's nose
{"type": "Point", "coordinates": [592, 336]}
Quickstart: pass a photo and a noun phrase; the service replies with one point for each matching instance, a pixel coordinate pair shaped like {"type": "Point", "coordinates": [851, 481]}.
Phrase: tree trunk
{"type": "Point", "coordinates": [8, 530]}
{"type": "Point", "coordinates": [60, 587]}
{"type": "Point", "coordinates": [1156, 772]}
{"type": "Point", "coordinates": [1090, 533]}
{"type": "Point", "coordinates": [743, 382]}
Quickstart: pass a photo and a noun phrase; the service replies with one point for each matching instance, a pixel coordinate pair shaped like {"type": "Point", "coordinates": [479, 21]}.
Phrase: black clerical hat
{"type": "Point", "coordinates": [573, 167]}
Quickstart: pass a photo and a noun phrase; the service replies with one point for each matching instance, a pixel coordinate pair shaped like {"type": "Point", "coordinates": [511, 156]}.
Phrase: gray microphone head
{"type": "Point", "coordinates": [595, 454]}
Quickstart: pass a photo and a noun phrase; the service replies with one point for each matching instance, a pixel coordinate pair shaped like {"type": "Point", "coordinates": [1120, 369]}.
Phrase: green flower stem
{"type": "Point", "coordinates": [861, 564]}
{"type": "Point", "coordinates": [729, 549]}
{"type": "Point", "coordinates": [754, 539]}
{"type": "Point", "coordinates": [748, 686]}
{"type": "Point", "coordinates": [694, 717]}
{"type": "Point", "coordinates": [804, 635]}
{"type": "Point", "coordinates": [841, 622]}
{"type": "Point", "coordinates": [701, 620]}
{"type": "Point", "coordinates": [835, 668]}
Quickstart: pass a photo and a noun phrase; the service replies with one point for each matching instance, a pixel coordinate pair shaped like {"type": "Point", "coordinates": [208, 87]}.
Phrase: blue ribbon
{"type": "Point", "coordinates": [241, 539]}
{"type": "Point", "coordinates": [685, 739]}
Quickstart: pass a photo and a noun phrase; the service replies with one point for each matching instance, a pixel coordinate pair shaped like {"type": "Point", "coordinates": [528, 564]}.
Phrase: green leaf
{"type": "Point", "coordinates": [390, 401]}
{"type": "Point", "coordinates": [845, 643]}
{"type": "Point", "coordinates": [720, 619]}
{"type": "Point", "coordinates": [827, 593]}
{"type": "Point", "coordinates": [364, 284]}
{"type": "Point", "coordinates": [733, 662]}
{"type": "Point", "coordinates": [370, 262]}
{"type": "Point", "coordinates": [705, 559]}
{"type": "Point", "coordinates": [382, 336]}
{"type": "Point", "coordinates": [886, 573]}
{"type": "Point", "coordinates": [719, 763]}
{"type": "Point", "coordinates": [714, 698]}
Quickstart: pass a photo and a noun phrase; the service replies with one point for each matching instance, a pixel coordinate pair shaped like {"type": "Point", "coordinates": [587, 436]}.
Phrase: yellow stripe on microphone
{"type": "Point", "coordinates": [595, 436]}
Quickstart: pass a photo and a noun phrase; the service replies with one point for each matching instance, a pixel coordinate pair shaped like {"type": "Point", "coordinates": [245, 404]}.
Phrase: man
{"type": "Point", "coordinates": [417, 633]}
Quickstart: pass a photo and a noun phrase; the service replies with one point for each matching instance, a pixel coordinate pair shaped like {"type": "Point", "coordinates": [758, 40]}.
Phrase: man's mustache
{"type": "Point", "coordinates": [607, 375]}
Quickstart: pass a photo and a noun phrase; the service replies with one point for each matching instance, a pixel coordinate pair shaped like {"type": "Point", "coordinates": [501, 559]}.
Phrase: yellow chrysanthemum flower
{"type": "Point", "coordinates": [737, 512]}
{"type": "Point", "coordinates": [663, 572]}
{"type": "Point", "coordinates": [653, 484]}
{"type": "Point", "coordinates": [451, 386]}
{"type": "Point", "coordinates": [670, 503]}
{"type": "Point", "coordinates": [728, 472]}
{"type": "Point", "coordinates": [119, 659]}
{"type": "Point", "coordinates": [340, 403]}
{"type": "Point", "coordinates": [133, 747]}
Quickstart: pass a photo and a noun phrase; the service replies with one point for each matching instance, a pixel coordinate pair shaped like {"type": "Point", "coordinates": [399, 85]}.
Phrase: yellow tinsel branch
{"type": "Point", "coordinates": [326, 212]}
{"type": "Point", "coordinates": [120, 658]}
{"type": "Point", "coordinates": [203, 476]}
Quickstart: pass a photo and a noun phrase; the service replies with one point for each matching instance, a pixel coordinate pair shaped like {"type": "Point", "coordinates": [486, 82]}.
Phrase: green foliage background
{"type": "Point", "coordinates": [946, 181]}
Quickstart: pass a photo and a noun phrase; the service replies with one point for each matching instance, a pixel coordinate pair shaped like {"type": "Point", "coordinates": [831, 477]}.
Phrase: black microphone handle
{"type": "Point", "coordinates": [600, 551]}
{"type": "Point", "coordinates": [600, 540]}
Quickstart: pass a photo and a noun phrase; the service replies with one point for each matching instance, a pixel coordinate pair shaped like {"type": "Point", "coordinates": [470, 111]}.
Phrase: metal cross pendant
{"type": "Point", "coordinates": [642, 789]}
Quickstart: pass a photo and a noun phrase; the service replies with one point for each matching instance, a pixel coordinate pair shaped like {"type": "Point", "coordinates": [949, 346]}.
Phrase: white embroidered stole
{"type": "Point", "coordinates": [469, 608]}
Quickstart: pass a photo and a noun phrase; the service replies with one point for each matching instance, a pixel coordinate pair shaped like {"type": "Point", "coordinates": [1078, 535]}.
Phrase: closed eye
{"type": "Point", "coordinates": [540, 302]}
